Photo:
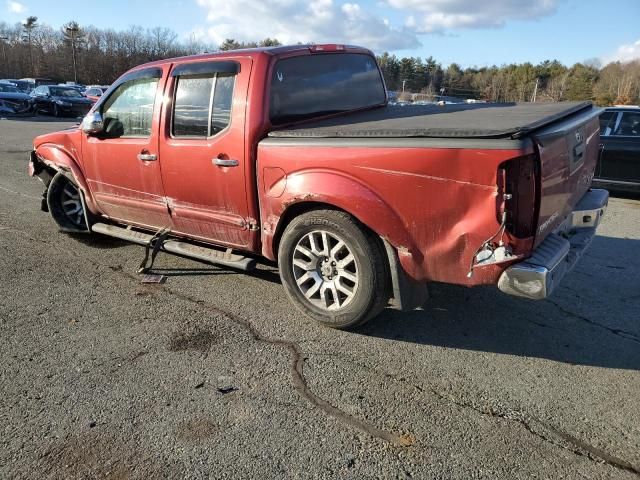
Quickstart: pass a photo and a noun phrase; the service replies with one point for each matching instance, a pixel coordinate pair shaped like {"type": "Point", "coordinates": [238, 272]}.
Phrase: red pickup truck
{"type": "Point", "coordinates": [292, 153]}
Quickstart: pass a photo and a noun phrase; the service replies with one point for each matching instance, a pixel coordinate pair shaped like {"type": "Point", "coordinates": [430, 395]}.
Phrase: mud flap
{"type": "Point", "coordinates": [407, 294]}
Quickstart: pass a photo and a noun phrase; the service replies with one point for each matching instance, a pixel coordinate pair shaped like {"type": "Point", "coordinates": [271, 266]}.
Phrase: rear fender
{"type": "Point", "coordinates": [57, 158]}
{"type": "Point", "coordinates": [334, 189]}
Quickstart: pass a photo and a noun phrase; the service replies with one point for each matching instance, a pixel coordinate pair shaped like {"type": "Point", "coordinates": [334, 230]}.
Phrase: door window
{"type": "Point", "coordinates": [128, 111]}
{"type": "Point", "coordinates": [222, 97]}
{"type": "Point", "coordinates": [629, 125]}
{"type": "Point", "coordinates": [202, 104]}
{"type": "Point", "coordinates": [606, 121]}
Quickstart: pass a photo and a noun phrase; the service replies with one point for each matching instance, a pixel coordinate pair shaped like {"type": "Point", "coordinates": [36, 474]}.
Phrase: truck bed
{"type": "Point", "coordinates": [483, 120]}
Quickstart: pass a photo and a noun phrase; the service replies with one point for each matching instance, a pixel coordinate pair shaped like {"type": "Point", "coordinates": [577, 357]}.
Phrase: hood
{"type": "Point", "coordinates": [67, 140]}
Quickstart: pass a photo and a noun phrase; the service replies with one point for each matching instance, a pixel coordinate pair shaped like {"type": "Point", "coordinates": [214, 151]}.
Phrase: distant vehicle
{"type": "Point", "coordinates": [94, 92]}
{"type": "Point", "coordinates": [13, 100]}
{"type": "Point", "coordinates": [619, 161]}
{"type": "Point", "coordinates": [75, 86]}
{"type": "Point", "coordinates": [22, 85]}
{"type": "Point", "coordinates": [58, 100]}
{"type": "Point", "coordinates": [36, 82]}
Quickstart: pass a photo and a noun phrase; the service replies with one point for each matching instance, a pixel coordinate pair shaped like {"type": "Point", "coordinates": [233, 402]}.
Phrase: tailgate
{"type": "Point", "coordinates": [568, 152]}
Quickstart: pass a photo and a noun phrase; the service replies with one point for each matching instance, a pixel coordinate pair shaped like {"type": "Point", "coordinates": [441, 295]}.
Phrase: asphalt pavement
{"type": "Point", "coordinates": [214, 374]}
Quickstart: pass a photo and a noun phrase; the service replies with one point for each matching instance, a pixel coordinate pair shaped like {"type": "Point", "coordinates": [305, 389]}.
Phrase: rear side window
{"type": "Point", "coordinates": [202, 105]}
{"type": "Point", "coordinates": [313, 85]}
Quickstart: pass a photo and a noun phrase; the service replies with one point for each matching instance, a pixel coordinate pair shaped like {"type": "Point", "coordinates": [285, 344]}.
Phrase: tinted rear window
{"type": "Point", "coordinates": [312, 85]}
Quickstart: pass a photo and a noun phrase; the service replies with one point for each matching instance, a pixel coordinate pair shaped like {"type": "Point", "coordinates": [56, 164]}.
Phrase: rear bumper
{"type": "Point", "coordinates": [538, 276]}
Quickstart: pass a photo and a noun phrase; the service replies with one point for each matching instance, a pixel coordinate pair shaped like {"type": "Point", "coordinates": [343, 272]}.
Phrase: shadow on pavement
{"type": "Point", "coordinates": [266, 275]}
{"type": "Point", "coordinates": [99, 241]}
{"type": "Point", "coordinates": [592, 319]}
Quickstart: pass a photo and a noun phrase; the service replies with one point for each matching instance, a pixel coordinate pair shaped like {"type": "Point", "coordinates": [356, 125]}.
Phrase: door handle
{"type": "Point", "coordinates": [147, 157]}
{"type": "Point", "coordinates": [226, 162]}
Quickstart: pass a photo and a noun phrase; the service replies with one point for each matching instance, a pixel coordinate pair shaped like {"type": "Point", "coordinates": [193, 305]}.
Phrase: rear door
{"type": "Point", "coordinates": [202, 149]}
{"type": "Point", "coordinates": [568, 151]}
{"type": "Point", "coordinates": [621, 156]}
{"type": "Point", "coordinates": [122, 164]}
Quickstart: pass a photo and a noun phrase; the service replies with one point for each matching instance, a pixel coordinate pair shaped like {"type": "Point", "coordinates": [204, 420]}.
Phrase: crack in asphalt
{"type": "Point", "coordinates": [297, 359]}
{"type": "Point", "coordinates": [615, 331]}
{"type": "Point", "coordinates": [571, 443]}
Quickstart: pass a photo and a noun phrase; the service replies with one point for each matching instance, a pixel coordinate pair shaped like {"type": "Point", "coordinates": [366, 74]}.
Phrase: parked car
{"type": "Point", "coordinates": [13, 100]}
{"type": "Point", "coordinates": [36, 82]}
{"type": "Point", "coordinates": [94, 92]}
{"type": "Point", "coordinates": [22, 85]}
{"type": "Point", "coordinates": [619, 162]}
{"type": "Point", "coordinates": [79, 88]}
{"type": "Point", "coordinates": [58, 101]}
{"type": "Point", "coordinates": [292, 153]}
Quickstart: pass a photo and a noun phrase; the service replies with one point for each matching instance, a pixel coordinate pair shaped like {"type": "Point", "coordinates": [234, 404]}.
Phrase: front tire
{"type": "Point", "coordinates": [65, 204]}
{"type": "Point", "coordinates": [333, 269]}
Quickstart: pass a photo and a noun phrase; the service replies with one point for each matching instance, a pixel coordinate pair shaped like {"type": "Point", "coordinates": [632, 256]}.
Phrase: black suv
{"type": "Point", "coordinates": [619, 161]}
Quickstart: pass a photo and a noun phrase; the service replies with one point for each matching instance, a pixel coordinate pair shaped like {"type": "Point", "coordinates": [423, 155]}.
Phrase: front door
{"type": "Point", "coordinates": [203, 150]}
{"type": "Point", "coordinates": [122, 164]}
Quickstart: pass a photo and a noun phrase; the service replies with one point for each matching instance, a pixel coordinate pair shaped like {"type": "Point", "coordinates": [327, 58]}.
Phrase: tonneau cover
{"type": "Point", "coordinates": [480, 120]}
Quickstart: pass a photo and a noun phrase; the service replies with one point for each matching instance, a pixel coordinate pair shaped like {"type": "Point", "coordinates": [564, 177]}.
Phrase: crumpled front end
{"type": "Point", "coordinates": [14, 106]}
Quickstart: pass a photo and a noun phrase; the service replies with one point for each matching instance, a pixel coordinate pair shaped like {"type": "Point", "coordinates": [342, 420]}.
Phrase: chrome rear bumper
{"type": "Point", "coordinates": [540, 274]}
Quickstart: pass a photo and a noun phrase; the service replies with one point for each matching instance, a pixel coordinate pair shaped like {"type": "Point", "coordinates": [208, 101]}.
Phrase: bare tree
{"type": "Point", "coordinates": [29, 26]}
{"type": "Point", "coordinates": [71, 33]}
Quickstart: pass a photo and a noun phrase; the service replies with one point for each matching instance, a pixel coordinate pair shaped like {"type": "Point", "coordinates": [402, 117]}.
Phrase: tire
{"type": "Point", "coordinates": [65, 204]}
{"type": "Point", "coordinates": [339, 286]}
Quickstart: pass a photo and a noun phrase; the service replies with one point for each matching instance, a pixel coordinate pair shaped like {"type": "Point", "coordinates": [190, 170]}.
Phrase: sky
{"type": "Point", "coordinates": [467, 32]}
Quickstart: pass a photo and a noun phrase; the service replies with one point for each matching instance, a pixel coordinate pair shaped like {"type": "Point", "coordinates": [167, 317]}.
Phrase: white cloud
{"type": "Point", "coordinates": [292, 21]}
{"type": "Point", "coordinates": [346, 21]}
{"type": "Point", "coordinates": [436, 16]}
{"type": "Point", "coordinates": [15, 7]}
{"type": "Point", "coordinates": [625, 53]}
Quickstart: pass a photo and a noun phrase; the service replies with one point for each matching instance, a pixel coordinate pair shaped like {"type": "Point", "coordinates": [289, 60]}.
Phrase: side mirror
{"type": "Point", "coordinates": [92, 123]}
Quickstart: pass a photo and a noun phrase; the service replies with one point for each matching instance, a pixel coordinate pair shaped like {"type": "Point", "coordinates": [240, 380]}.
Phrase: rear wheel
{"type": "Point", "coordinates": [65, 204]}
{"type": "Point", "coordinates": [333, 269]}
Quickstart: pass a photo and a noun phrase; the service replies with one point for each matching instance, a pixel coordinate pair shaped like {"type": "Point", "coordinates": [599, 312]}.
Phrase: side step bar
{"type": "Point", "coordinates": [211, 255]}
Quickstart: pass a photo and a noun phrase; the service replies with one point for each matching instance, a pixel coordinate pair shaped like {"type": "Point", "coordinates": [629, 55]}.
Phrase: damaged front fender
{"type": "Point", "coordinates": [49, 159]}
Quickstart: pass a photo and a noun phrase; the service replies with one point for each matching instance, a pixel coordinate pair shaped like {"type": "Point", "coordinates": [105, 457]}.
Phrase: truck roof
{"type": "Point", "coordinates": [254, 52]}
{"type": "Point", "coordinates": [479, 120]}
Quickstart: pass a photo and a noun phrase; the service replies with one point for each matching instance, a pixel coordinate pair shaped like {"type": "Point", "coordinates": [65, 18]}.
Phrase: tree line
{"type": "Point", "coordinates": [614, 83]}
{"type": "Point", "coordinates": [98, 56]}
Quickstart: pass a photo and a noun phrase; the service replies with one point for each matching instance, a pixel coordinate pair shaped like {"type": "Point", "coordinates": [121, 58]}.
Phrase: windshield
{"type": "Point", "coordinates": [313, 85]}
{"type": "Point", "coordinates": [8, 89]}
{"type": "Point", "coordinates": [65, 92]}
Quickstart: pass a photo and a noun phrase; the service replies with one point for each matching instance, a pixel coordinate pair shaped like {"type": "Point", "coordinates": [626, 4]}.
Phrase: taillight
{"type": "Point", "coordinates": [518, 194]}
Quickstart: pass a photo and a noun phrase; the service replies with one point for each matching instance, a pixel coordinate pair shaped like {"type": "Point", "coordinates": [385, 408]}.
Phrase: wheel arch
{"type": "Point", "coordinates": [55, 159]}
{"type": "Point", "coordinates": [313, 189]}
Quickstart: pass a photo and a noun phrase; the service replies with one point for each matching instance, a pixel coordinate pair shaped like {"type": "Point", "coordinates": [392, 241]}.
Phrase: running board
{"type": "Point", "coordinates": [206, 254]}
